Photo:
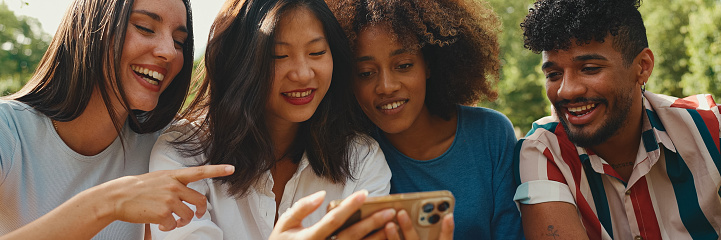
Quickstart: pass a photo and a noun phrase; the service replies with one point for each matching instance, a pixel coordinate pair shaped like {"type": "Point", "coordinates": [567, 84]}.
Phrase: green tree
{"type": "Point", "coordinates": [521, 88]}
{"type": "Point", "coordinates": [667, 28]}
{"type": "Point", "coordinates": [23, 44]}
{"type": "Point", "coordinates": [703, 46]}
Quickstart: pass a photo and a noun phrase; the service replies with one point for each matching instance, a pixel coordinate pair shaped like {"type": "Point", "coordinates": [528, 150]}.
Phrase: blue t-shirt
{"type": "Point", "coordinates": [476, 169]}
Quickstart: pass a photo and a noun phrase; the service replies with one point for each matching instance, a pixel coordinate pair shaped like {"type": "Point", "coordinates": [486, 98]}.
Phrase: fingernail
{"type": "Point", "coordinates": [230, 169]}
{"type": "Point", "coordinates": [389, 214]}
{"type": "Point", "coordinates": [318, 196]}
{"type": "Point", "coordinates": [360, 198]}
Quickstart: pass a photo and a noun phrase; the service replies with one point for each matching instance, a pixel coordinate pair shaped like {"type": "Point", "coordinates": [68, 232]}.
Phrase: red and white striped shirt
{"type": "Point", "coordinates": [672, 193]}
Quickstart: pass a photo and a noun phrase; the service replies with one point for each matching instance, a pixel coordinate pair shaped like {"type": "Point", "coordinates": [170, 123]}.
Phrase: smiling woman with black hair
{"type": "Point", "coordinates": [274, 103]}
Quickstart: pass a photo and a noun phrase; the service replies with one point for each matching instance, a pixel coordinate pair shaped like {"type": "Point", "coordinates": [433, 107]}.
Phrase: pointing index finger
{"type": "Point", "coordinates": [192, 174]}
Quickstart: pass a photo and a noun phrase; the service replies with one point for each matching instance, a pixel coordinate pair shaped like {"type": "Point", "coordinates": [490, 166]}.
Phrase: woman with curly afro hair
{"type": "Point", "coordinates": [419, 64]}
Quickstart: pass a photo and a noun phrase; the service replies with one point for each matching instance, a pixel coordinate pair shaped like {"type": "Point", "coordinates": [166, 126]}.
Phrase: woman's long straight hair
{"type": "Point", "coordinates": [230, 106]}
{"type": "Point", "coordinates": [85, 54]}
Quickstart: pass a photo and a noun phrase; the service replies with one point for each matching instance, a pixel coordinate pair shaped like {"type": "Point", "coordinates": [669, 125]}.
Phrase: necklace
{"type": "Point", "coordinates": [55, 124]}
{"type": "Point", "coordinates": [620, 165]}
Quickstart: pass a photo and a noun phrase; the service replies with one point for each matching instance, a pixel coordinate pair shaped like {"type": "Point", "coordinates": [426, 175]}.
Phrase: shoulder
{"type": "Point", "coordinates": [167, 153]}
{"type": "Point", "coordinates": [483, 117]}
{"type": "Point", "coordinates": [17, 117]}
{"type": "Point", "coordinates": [363, 147]}
{"type": "Point", "coordinates": [484, 123]}
{"type": "Point", "coordinates": [545, 135]}
{"type": "Point", "coordinates": [11, 110]}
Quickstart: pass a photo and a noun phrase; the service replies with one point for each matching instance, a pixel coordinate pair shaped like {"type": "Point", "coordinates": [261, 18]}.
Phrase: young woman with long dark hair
{"type": "Point", "coordinates": [274, 103]}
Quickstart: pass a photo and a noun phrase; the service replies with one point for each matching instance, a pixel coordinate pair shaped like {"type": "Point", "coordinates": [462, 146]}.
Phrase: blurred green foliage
{"type": "Point", "coordinates": [22, 45]}
{"type": "Point", "coordinates": [685, 36]}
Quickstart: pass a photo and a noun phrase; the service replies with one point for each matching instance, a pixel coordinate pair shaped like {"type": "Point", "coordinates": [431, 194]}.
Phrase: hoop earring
{"type": "Point", "coordinates": [643, 88]}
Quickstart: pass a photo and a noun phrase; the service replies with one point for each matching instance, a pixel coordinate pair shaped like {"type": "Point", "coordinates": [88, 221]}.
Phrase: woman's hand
{"type": "Point", "coordinates": [409, 232]}
{"type": "Point", "coordinates": [154, 197]}
{"type": "Point", "coordinates": [147, 198]}
{"type": "Point", "coordinates": [289, 224]}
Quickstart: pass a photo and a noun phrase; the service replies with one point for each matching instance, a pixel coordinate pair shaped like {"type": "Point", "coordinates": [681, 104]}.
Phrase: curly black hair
{"type": "Point", "coordinates": [552, 24]}
{"type": "Point", "coordinates": [458, 39]}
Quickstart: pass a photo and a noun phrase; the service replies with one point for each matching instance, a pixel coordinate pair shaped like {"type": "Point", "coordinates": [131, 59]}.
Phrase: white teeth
{"type": "Point", "coordinates": [298, 94]}
{"type": "Point", "coordinates": [156, 75]}
{"type": "Point", "coordinates": [151, 81]}
{"type": "Point", "coordinates": [582, 108]}
{"type": "Point", "coordinates": [393, 105]}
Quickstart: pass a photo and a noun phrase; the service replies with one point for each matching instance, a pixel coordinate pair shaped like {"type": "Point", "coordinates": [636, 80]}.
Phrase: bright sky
{"type": "Point", "coordinates": [49, 13]}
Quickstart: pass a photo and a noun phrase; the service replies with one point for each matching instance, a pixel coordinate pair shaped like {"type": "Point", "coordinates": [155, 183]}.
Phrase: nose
{"type": "Point", "coordinates": [302, 71]}
{"type": "Point", "coordinates": [387, 84]}
{"type": "Point", "coordinates": [165, 49]}
{"type": "Point", "coordinates": [571, 87]}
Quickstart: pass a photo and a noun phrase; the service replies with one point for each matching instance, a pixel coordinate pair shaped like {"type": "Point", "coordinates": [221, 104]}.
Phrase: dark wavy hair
{"type": "Point", "coordinates": [230, 107]}
{"type": "Point", "coordinates": [85, 53]}
{"type": "Point", "coordinates": [458, 39]}
{"type": "Point", "coordinates": [553, 24]}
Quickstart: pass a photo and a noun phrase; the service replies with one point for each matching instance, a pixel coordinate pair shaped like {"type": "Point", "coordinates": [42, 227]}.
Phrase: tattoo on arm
{"type": "Point", "coordinates": [552, 232]}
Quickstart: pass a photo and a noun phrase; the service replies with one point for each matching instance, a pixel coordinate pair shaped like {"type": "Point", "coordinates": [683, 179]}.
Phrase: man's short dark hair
{"type": "Point", "coordinates": [553, 24]}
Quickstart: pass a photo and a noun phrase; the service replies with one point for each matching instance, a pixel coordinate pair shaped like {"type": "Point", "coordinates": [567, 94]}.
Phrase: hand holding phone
{"type": "Point", "coordinates": [425, 210]}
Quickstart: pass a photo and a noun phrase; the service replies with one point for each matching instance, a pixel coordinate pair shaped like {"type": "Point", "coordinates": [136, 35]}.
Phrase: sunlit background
{"type": "Point", "coordinates": [685, 36]}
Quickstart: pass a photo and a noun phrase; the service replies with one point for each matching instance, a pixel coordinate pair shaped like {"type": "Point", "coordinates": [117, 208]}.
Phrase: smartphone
{"type": "Point", "coordinates": [425, 209]}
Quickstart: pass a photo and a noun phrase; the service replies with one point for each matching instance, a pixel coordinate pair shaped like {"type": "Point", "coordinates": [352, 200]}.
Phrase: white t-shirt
{"type": "Point", "coordinates": [38, 171]}
{"type": "Point", "coordinates": [252, 216]}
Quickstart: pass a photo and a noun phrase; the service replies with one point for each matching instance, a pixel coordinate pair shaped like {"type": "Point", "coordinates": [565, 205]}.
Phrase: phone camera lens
{"type": "Point", "coordinates": [443, 206]}
{"type": "Point", "coordinates": [428, 207]}
{"type": "Point", "coordinates": [434, 219]}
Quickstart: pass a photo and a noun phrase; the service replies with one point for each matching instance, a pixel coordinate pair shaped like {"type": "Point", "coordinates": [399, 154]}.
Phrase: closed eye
{"type": "Point", "coordinates": [279, 56]}
{"type": "Point", "coordinates": [318, 53]}
{"type": "Point", "coordinates": [404, 66]}
{"type": "Point", "coordinates": [365, 74]}
{"type": "Point", "coordinates": [591, 70]}
{"type": "Point", "coordinates": [143, 29]}
{"type": "Point", "coordinates": [552, 75]}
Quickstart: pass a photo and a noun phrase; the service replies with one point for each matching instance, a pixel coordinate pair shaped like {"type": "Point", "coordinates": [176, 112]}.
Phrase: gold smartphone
{"type": "Point", "coordinates": [425, 209]}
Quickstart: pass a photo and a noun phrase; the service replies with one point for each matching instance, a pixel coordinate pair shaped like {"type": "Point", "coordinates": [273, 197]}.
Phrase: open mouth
{"type": "Point", "coordinates": [148, 75]}
{"type": "Point", "coordinates": [298, 94]}
{"type": "Point", "coordinates": [393, 105]}
{"type": "Point", "coordinates": [582, 110]}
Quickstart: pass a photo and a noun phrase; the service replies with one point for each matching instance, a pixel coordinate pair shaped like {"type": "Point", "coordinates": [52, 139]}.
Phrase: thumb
{"type": "Point", "coordinates": [301, 209]}
{"type": "Point", "coordinates": [192, 174]}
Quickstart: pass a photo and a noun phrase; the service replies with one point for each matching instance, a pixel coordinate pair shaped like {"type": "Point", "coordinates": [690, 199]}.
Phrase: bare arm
{"type": "Point", "coordinates": [147, 198]}
{"type": "Point", "coordinates": [551, 220]}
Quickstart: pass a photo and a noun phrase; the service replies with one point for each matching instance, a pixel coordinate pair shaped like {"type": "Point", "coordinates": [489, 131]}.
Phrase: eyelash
{"type": "Point", "coordinates": [318, 53]}
{"type": "Point", "coordinates": [312, 54]}
{"type": "Point", "coordinates": [144, 29]}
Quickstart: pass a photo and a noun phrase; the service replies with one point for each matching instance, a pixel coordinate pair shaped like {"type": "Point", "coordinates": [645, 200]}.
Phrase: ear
{"type": "Point", "coordinates": [645, 62]}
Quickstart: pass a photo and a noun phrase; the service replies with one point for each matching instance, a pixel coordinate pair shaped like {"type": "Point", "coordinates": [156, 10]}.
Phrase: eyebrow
{"type": "Point", "coordinates": [394, 53]}
{"type": "Point", "coordinates": [158, 18]}
{"type": "Point", "coordinates": [589, 57]}
{"type": "Point", "coordinates": [318, 39]}
{"type": "Point", "coordinates": [581, 58]}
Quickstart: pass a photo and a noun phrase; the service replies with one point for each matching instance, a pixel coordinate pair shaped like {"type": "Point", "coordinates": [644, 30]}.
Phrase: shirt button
{"type": "Point", "coordinates": [629, 193]}
{"type": "Point", "coordinates": [638, 238]}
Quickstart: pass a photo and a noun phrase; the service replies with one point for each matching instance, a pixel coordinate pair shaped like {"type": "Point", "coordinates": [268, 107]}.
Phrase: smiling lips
{"type": "Point", "coordinates": [393, 105]}
{"type": "Point", "coordinates": [299, 97]}
{"type": "Point", "coordinates": [582, 110]}
{"type": "Point", "coordinates": [150, 76]}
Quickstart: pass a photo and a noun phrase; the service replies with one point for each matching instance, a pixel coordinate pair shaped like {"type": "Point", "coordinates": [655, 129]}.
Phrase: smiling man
{"type": "Point", "coordinates": [614, 161]}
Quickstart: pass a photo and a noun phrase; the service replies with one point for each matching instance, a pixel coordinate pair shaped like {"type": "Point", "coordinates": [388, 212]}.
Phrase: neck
{"type": "Point", "coordinates": [93, 131]}
{"type": "Point", "coordinates": [623, 146]}
{"type": "Point", "coordinates": [427, 138]}
{"type": "Point", "coordinates": [283, 136]}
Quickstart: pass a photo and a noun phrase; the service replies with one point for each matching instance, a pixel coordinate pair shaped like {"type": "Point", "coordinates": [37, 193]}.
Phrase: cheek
{"type": "Point", "coordinates": [364, 95]}
{"type": "Point", "coordinates": [551, 89]}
